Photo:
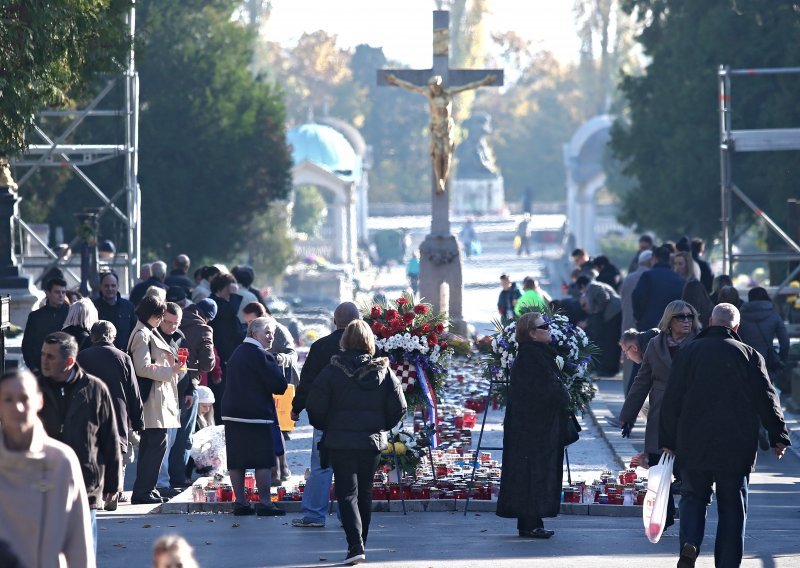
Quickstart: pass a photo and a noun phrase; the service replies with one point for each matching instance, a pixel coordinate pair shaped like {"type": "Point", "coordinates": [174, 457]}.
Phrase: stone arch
{"type": "Point", "coordinates": [583, 159]}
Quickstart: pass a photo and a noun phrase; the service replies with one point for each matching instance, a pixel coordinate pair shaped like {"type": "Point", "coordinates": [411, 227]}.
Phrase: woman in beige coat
{"type": "Point", "coordinates": [44, 511]}
{"type": "Point", "coordinates": [678, 326]}
{"type": "Point", "coordinates": [158, 370]}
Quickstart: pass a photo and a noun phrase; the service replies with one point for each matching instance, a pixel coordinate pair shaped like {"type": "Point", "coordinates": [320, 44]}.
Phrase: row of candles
{"type": "Point", "coordinates": [625, 489]}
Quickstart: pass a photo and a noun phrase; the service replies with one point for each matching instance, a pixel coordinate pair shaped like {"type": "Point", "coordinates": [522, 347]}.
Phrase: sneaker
{"type": "Point", "coordinates": [355, 555]}
{"type": "Point", "coordinates": [307, 524]}
{"type": "Point", "coordinates": [688, 556]}
{"type": "Point", "coordinates": [169, 492]}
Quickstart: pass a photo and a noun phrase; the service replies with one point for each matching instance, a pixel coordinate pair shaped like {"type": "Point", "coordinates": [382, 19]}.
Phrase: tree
{"type": "Point", "coordinates": [668, 140]}
{"type": "Point", "coordinates": [309, 208]}
{"type": "Point", "coordinates": [213, 144]}
{"type": "Point", "coordinates": [50, 51]}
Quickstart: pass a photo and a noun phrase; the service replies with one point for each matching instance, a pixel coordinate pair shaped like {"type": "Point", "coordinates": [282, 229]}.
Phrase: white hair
{"type": "Point", "coordinates": [725, 315]}
{"type": "Point", "coordinates": [645, 257]}
{"type": "Point", "coordinates": [258, 325]}
{"type": "Point", "coordinates": [159, 269]}
{"type": "Point", "coordinates": [82, 313]}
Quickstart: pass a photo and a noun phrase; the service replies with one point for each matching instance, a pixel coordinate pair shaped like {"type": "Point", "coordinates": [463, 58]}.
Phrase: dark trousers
{"type": "Point", "coordinates": [182, 447]}
{"type": "Point", "coordinates": [653, 459]}
{"type": "Point", "coordinates": [731, 490]}
{"type": "Point", "coordinates": [529, 523]}
{"type": "Point", "coordinates": [353, 471]}
{"type": "Point", "coordinates": [152, 448]}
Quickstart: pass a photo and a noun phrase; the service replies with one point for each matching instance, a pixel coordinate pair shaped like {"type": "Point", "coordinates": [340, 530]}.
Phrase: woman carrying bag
{"type": "Point", "coordinates": [535, 432]}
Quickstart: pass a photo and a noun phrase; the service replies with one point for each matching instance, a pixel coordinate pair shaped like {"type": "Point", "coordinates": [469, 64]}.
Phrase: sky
{"type": "Point", "coordinates": [404, 27]}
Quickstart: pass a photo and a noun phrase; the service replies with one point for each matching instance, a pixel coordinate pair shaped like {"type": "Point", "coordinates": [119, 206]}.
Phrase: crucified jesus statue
{"type": "Point", "coordinates": [440, 101]}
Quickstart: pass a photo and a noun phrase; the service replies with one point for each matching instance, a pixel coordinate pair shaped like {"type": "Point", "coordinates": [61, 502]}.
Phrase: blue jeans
{"type": "Point", "coordinates": [318, 486]}
{"type": "Point", "coordinates": [163, 472]}
{"type": "Point", "coordinates": [731, 490]}
{"type": "Point", "coordinates": [182, 448]}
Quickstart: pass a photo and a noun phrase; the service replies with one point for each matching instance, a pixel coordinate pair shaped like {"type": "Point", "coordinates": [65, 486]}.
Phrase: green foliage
{"type": "Point", "coordinates": [49, 50]}
{"type": "Point", "coordinates": [213, 150]}
{"type": "Point", "coordinates": [270, 249]}
{"type": "Point", "coordinates": [620, 249]}
{"type": "Point", "coordinates": [669, 139]}
{"type": "Point", "coordinates": [309, 208]}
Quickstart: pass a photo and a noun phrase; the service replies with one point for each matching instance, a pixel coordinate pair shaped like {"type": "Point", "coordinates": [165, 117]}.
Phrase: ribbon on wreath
{"type": "Point", "coordinates": [430, 402]}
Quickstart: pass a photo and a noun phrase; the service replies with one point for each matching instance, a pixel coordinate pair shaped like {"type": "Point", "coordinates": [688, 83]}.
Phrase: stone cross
{"type": "Point", "coordinates": [439, 255]}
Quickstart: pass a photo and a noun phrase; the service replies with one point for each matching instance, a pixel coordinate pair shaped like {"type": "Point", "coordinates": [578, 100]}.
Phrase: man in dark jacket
{"type": "Point", "coordinates": [111, 306]}
{"type": "Point", "coordinates": [115, 369]}
{"type": "Point", "coordinates": [179, 275]}
{"type": "Point", "coordinates": [44, 321]}
{"type": "Point", "coordinates": [508, 297]}
{"type": "Point", "coordinates": [718, 393]}
{"type": "Point", "coordinates": [159, 273]}
{"type": "Point", "coordinates": [318, 484]}
{"type": "Point", "coordinates": [228, 332]}
{"type": "Point", "coordinates": [697, 247]}
{"type": "Point", "coordinates": [78, 411]}
{"type": "Point", "coordinates": [199, 340]}
{"type": "Point", "coordinates": [656, 288]}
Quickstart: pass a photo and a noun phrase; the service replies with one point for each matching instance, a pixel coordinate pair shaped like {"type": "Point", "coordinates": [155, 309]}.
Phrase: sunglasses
{"type": "Point", "coordinates": [683, 317]}
{"type": "Point", "coordinates": [544, 326]}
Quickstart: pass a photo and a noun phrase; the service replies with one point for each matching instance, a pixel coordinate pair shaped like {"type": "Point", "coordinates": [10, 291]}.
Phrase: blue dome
{"type": "Point", "coordinates": [325, 147]}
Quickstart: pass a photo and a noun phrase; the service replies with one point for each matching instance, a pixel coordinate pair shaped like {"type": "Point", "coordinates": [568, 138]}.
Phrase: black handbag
{"type": "Point", "coordinates": [570, 433]}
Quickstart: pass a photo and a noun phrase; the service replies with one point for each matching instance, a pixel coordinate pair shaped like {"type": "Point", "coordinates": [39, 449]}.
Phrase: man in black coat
{"type": "Point", "coordinates": [111, 306]}
{"type": "Point", "coordinates": [318, 484]}
{"type": "Point", "coordinates": [78, 411]}
{"type": "Point", "coordinates": [115, 368]}
{"type": "Point", "coordinates": [179, 275]}
{"type": "Point", "coordinates": [44, 321]}
{"type": "Point", "coordinates": [656, 288]}
{"type": "Point", "coordinates": [158, 272]}
{"type": "Point", "coordinates": [717, 395]}
{"type": "Point", "coordinates": [706, 274]}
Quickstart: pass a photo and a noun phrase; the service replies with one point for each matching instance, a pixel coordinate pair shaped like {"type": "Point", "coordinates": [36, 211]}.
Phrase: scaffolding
{"type": "Point", "coordinates": [763, 140]}
{"type": "Point", "coordinates": [53, 151]}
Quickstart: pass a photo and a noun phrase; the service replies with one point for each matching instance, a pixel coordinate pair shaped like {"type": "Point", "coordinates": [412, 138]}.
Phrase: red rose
{"type": "Point", "coordinates": [426, 328]}
{"type": "Point", "coordinates": [439, 328]}
{"type": "Point", "coordinates": [401, 301]}
{"type": "Point", "coordinates": [432, 339]}
{"type": "Point", "coordinates": [443, 345]}
{"type": "Point", "coordinates": [420, 309]}
{"type": "Point", "coordinates": [397, 325]}
{"type": "Point", "coordinates": [377, 327]}
{"type": "Point", "coordinates": [376, 312]}
{"type": "Point", "coordinates": [408, 317]}
{"type": "Point", "coordinates": [391, 315]}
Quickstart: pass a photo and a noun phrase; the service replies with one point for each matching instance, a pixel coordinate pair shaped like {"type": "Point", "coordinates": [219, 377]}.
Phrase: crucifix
{"type": "Point", "coordinates": [440, 263]}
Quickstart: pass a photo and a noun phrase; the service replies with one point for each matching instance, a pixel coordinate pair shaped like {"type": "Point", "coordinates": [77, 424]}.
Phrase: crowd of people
{"type": "Point", "coordinates": [699, 364]}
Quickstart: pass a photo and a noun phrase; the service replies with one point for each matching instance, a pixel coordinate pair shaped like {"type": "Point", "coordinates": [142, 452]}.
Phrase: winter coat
{"type": "Point", "coordinates": [626, 296]}
{"type": "Point", "coordinates": [178, 277]}
{"type": "Point", "coordinates": [530, 301]}
{"type": "Point", "coordinates": [760, 324]}
{"type": "Point", "coordinates": [199, 341]}
{"type": "Point", "coordinates": [355, 400]}
{"type": "Point", "coordinates": [651, 381]}
{"type": "Point", "coordinates": [506, 300]}
{"type": "Point", "coordinates": [253, 376]}
{"type": "Point", "coordinates": [122, 315]}
{"type": "Point", "coordinates": [40, 324]}
{"type": "Point", "coordinates": [706, 274]}
{"type": "Point", "coordinates": [533, 453]}
{"type": "Point", "coordinates": [81, 335]}
{"type": "Point", "coordinates": [717, 395]}
{"type": "Point", "coordinates": [695, 294]}
{"type": "Point", "coordinates": [228, 331]}
{"type": "Point", "coordinates": [89, 427]}
{"type": "Point", "coordinates": [115, 369]}
{"type": "Point", "coordinates": [656, 288]}
{"type": "Point", "coordinates": [283, 344]}
{"type": "Point", "coordinates": [610, 275]}
{"type": "Point", "coordinates": [153, 358]}
{"type": "Point", "coordinates": [140, 289]}
{"type": "Point", "coordinates": [319, 355]}
{"type": "Point", "coordinates": [43, 512]}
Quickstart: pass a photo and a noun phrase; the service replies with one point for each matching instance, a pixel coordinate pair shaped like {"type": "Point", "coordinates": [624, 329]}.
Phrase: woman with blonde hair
{"type": "Point", "coordinates": [678, 326]}
{"type": "Point", "coordinates": [82, 315]}
{"type": "Point", "coordinates": [533, 431]}
{"type": "Point", "coordinates": [172, 551]}
{"type": "Point", "coordinates": [355, 400]}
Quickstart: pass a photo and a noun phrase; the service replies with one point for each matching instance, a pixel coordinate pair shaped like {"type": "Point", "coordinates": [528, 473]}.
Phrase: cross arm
{"type": "Point", "coordinates": [465, 79]}
{"type": "Point", "coordinates": [415, 77]}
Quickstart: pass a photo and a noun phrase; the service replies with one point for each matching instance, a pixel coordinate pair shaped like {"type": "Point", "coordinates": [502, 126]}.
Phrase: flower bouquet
{"type": "Point", "coordinates": [407, 449]}
{"type": "Point", "coordinates": [410, 335]}
{"type": "Point", "coordinates": [574, 357]}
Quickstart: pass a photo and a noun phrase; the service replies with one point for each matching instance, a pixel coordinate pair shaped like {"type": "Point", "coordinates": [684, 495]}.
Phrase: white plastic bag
{"type": "Point", "coordinates": [654, 512]}
{"type": "Point", "coordinates": [208, 449]}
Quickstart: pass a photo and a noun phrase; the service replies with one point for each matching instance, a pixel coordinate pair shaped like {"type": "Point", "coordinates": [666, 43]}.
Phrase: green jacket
{"type": "Point", "coordinates": [529, 301]}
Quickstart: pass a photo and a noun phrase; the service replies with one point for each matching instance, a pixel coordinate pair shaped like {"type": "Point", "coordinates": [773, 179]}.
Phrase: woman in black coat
{"type": "Point", "coordinates": [536, 415]}
{"type": "Point", "coordinates": [355, 400]}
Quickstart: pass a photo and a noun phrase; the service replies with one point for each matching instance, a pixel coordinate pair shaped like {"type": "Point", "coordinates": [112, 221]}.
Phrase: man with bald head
{"type": "Point", "coordinates": [179, 275]}
{"type": "Point", "coordinates": [717, 395]}
{"type": "Point", "coordinates": [318, 484]}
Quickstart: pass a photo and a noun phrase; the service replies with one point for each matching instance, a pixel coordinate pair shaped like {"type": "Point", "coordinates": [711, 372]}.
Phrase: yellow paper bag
{"type": "Point", "coordinates": [283, 405]}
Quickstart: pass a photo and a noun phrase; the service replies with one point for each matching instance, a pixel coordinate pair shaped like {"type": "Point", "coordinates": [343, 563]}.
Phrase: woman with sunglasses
{"type": "Point", "coordinates": [533, 450]}
{"type": "Point", "coordinates": [678, 326]}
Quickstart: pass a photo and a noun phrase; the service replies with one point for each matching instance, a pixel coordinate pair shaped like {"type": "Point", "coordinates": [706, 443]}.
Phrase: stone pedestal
{"type": "Point", "coordinates": [18, 286]}
{"type": "Point", "coordinates": [440, 261]}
